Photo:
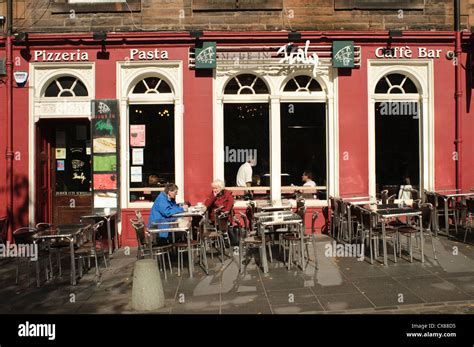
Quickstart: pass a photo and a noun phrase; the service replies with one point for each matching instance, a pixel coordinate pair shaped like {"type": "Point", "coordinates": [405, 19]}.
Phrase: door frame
{"type": "Point", "coordinates": [39, 107]}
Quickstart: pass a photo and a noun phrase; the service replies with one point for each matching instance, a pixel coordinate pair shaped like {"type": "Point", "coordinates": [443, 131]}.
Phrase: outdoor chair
{"type": "Point", "coordinates": [470, 216]}
{"type": "Point", "coordinates": [144, 250]}
{"type": "Point", "coordinates": [413, 231]}
{"type": "Point", "coordinates": [291, 241]}
{"type": "Point", "coordinates": [376, 235]}
{"type": "Point", "coordinates": [3, 230]}
{"type": "Point", "coordinates": [249, 239]}
{"type": "Point", "coordinates": [54, 246]}
{"type": "Point", "coordinates": [24, 237]}
{"type": "Point", "coordinates": [89, 245]}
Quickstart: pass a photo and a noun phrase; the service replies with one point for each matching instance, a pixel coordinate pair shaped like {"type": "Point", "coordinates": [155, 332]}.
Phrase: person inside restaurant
{"type": "Point", "coordinates": [307, 179]}
{"type": "Point", "coordinates": [164, 207]}
{"type": "Point", "coordinates": [244, 176]}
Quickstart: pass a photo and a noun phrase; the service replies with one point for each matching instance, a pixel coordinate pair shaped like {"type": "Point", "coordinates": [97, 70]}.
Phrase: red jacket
{"type": "Point", "coordinates": [224, 199]}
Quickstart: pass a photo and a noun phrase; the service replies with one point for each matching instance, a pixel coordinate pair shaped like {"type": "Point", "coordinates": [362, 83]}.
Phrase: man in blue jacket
{"type": "Point", "coordinates": [165, 206]}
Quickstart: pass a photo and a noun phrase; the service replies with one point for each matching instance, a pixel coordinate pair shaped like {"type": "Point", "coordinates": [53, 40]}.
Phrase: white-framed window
{"type": "Point", "coordinates": [250, 93]}
{"type": "Point", "coordinates": [150, 96]}
{"type": "Point", "coordinates": [66, 86]}
{"type": "Point", "coordinates": [401, 124]}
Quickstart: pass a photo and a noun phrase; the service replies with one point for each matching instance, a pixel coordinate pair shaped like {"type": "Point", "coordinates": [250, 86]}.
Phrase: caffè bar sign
{"type": "Point", "coordinates": [407, 52]}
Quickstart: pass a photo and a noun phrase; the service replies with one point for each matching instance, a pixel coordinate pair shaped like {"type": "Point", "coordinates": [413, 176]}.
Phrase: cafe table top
{"type": "Point", "coordinates": [66, 230]}
{"type": "Point", "coordinates": [450, 193]}
{"type": "Point", "coordinates": [391, 210]}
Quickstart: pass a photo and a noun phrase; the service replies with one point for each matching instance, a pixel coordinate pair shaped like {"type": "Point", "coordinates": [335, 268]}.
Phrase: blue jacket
{"type": "Point", "coordinates": [163, 208]}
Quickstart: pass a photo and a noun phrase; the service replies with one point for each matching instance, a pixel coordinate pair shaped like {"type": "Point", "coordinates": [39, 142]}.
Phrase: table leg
{"type": "Point", "coordinates": [73, 262]}
{"type": "Point", "coordinates": [190, 255]}
{"type": "Point", "coordinates": [384, 242]}
{"type": "Point", "coordinates": [349, 223]}
{"type": "Point", "coordinates": [264, 248]}
{"type": "Point", "coordinates": [422, 240]}
{"type": "Point", "coordinates": [109, 234]}
{"type": "Point", "coordinates": [446, 217]}
{"type": "Point", "coordinates": [303, 263]}
{"type": "Point", "coordinates": [116, 235]}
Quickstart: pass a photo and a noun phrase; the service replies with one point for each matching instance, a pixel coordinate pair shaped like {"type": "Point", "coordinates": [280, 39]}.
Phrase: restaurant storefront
{"type": "Point", "coordinates": [385, 119]}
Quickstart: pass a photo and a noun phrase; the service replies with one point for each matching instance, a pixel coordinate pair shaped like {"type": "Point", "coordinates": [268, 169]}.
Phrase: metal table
{"type": "Point", "coordinates": [447, 195]}
{"type": "Point", "coordinates": [268, 206]}
{"type": "Point", "coordinates": [62, 232]}
{"type": "Point", "coordinates": [106, 217]}
{"type": "Point", "coordinates": [265, 220]}
{"type": "Point", "coordinates": [384, 212]}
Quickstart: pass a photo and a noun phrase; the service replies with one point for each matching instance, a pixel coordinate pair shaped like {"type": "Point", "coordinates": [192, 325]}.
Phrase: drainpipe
{"type": "Point", "coordinates": [9, 125]}
{"type": "Point", "coordinates": [458, 93]}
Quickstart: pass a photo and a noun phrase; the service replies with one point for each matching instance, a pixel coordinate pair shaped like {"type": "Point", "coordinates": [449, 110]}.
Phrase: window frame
{"type": "Point", "coordinates": [379, 5]}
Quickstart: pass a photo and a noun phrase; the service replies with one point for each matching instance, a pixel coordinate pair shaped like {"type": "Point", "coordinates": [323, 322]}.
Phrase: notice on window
{"type": "Point", "coordinates": [60, 165]}
{"type": "Point", "coordinates": [105, 200]}
{"type": "Point", "coordinates": [60, 153]}
{"type": "Point", "coordinates": [137, 135]}
{"type": "Point", "coordinates": [136, 174]}
{"type": "Point", "coordinates": [137, 156]}
{"type": "Point", "coordinates": [105, 181]}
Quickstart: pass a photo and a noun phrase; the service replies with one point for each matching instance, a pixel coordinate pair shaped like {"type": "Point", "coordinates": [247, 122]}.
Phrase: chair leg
{"type": "Point", "coordinates": [179, 263]}
{"type": "Point", "coordinates": [411, 249]}
{"type": "Point", "coordinates": [164, 265]}
{"type": "Point", "coordinates": [59, 263]}
{"type": "Point", "coordinates": [169, 262]}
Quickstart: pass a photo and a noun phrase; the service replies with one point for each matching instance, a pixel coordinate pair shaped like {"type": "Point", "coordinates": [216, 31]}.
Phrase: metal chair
{"type": "Point", "coordinates": [144, 249]}
{"type": "Point", "coordinates": [469, 217]}
{"type": "Point", "coordinates": [414, 231]}
{"type": "Point", "coordinates": [89, 245]}
{"type": "Point", "coordinates": [391, 234]}
{"type": "Point", "coordinates": [23, 237]}
{"type": "Point", "coordinates": [249, 240]}
{"type": "Point", "coordinates": [54, 246]}
{"type": "Point", "coordinates": [292, 240]}
{"type": "Point", "coordinates": [3, 229]}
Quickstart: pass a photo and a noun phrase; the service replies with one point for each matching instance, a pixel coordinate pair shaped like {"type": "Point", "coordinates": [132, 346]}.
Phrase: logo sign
{"type": "Point", "coordinates": [295, 55]}
{"type": "Point", "coordinates": [343, 54]}
{"type": "Point", "coordinates": [206, 56]}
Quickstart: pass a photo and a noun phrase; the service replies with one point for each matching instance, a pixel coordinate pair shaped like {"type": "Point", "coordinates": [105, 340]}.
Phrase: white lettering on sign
{"type": "Point", "coordinates": [297, 55]}
{"type": "Point", "coordinates": [61, 56]}
{"type": "Point", "coordinates": [148, 55]}
{"type": "Point", "coordinates": [406, 52]}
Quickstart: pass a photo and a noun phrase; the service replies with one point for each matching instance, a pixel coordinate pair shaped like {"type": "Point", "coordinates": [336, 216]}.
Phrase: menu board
{"type": "Point", "coordinates": [105, 153]}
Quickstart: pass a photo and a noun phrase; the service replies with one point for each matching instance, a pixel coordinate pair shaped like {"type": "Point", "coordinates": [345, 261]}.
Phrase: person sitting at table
{"type": "Point", "coordinates": [165, 206]}
{"type": "Point", "coordinates": [307, 179]}
{"type": "Point", "coordinates": [219, 198]}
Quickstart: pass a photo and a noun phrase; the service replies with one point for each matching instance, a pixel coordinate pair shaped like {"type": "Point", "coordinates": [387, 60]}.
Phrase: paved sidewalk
{"type": "Point", "coordinates": [341, 285]}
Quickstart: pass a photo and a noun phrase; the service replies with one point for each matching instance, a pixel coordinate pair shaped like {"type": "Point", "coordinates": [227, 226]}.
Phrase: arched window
{"type": "Point", "coordinates": [302, 83]}
{"type": "Point", "coordinates": [246, 84]}
{"type": "Point", "coordinates": [152, 85]}
{"type": "Point", "coordinates": [66, 86]}
{"type": "Point", "coordinates": [396, 83]}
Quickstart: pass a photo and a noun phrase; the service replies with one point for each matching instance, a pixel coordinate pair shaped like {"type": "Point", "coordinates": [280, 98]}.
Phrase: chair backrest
{"type": "Point", "coordinates": [249, 211]}
{"type": "Point", "coordinates": [314, 218]}
{"type": "Point", "coordinates": [302, 213]}
{"type": "Point", "coordinates": [44, 226]}
{"type": "Point", "coordinates": [470, 205]}
{"type": "Point", "coordinates": [426, 215]}
{"type": "Point", "coordinates": [223, 222]}
{"type": "Point", "coordinates": [3, 229]}
{"type": "Point", "coordinates": [24, 235]}
{"type": "Point", "coordinates": [139, 228]}
{"type": "Point", "coordinates": [139, 216]}
{"type": "Point", "coordinates": [300, 202]}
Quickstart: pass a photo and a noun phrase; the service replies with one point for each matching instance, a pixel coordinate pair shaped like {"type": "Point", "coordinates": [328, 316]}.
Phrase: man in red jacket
{"type": "Point", "coordinates": [219, 198]}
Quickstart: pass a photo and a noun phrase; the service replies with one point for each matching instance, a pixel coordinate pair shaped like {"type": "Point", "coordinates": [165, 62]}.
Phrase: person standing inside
{"type": "Point", "coordinates": [244, 175]}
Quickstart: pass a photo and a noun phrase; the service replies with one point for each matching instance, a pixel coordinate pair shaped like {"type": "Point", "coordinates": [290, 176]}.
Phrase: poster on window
{"type": "Point", "coordinates": [105, 181]}
{"type": "Point", "coordinates": [136, 174]}
{"type": "Point", "coordinates": [105, 163]}
{"type": "Point", "coordinates": [60, 153]}
{"type": "Point", "coordinates": [105, 145]}
{"type": "Point", "coordinates": [105, 200]}
{"type": "Point", "coordinates": [137, 135]}
{"type": "Point", "coordinates": [137, 156]}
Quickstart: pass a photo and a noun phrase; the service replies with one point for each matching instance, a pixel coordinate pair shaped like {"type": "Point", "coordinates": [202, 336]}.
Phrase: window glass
{"type": "Point", "coordinates": [303, 142]}
{"type": "Point", "coordinates": [151, 150]}
{"type": "Point", "coordinates": [66, 86]}
{"type": "Point", "coordinates": [246, 134]}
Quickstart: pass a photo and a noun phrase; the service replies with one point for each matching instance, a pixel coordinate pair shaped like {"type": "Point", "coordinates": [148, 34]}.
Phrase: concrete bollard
{"type": "Point", "coordinates": [147, 289]}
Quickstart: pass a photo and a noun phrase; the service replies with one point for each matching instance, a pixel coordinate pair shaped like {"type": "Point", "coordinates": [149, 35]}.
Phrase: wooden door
{"type": "Point", "coordinates": [64, 164]}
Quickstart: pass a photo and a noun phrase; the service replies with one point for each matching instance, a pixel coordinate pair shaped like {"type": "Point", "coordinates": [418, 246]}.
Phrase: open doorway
{"type": "Point", "coordinates": [63, 171]}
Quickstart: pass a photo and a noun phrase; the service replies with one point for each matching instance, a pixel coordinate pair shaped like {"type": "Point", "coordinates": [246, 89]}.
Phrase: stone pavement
{"type": "Point", "coordinates": [341, 285]}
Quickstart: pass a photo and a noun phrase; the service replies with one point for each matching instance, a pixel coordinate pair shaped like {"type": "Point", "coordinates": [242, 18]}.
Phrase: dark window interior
{"type": "Point", "coordinates": [303, 141]}
{"type": "Point", "coordinates": [246, 127]}
{"type": "Point", "coordinates": [158, 152]}
{"type": "Point", "coordinates": [397, 144]}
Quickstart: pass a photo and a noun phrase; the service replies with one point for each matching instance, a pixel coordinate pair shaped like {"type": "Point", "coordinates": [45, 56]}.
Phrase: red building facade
{"type": "Point", "coordinates": [192, 112]}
